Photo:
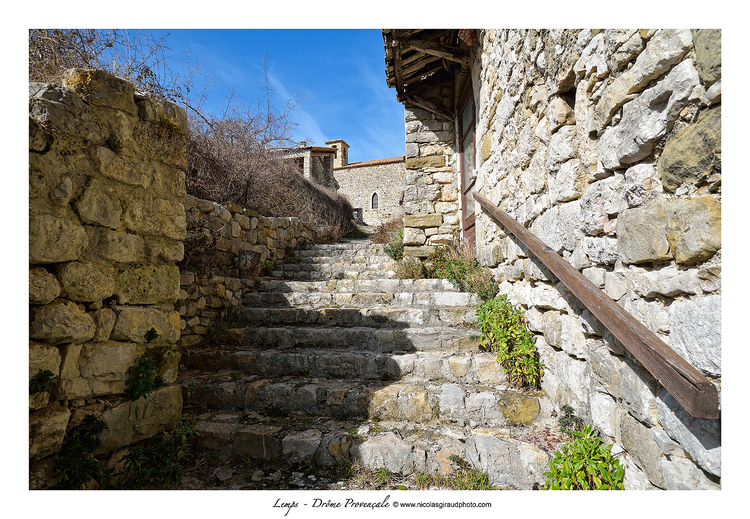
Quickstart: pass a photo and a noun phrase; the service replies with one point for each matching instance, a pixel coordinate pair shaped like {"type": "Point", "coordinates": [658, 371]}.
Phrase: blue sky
{"type": "Point", "coordinates": [339, 72]}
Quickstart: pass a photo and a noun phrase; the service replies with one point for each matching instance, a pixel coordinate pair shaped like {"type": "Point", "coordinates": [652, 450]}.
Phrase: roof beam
{"type": "Point", "coordinates": [429, 106]}
{"type": "Point", "coordinates": [450, 53]}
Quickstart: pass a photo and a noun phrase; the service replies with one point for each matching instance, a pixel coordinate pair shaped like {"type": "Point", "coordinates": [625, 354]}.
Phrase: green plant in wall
{"type": "Point", "coordinates": [158, 463]}
{"type": "Point", "coordinates": [395, 248]}
{"type": "Point", "coordinates": [568, 421]}
{"type": "Point", "coordinates": [41, 382]}
{"type": "Point", "coordinates": [152, 335]}
{"type": "Point", "coordinates": [504, 331]}
{"type": "Point", "coordinates": [584, 464]}
{"type": "Point", "coordinates": [74, 465]}
{"type": "Point", "coordinates": [143, 378]}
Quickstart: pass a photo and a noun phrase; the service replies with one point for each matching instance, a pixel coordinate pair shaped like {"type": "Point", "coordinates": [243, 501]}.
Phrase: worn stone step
{"type": "Point", "coordinates": [357, 285]}
{"type": "Point", "coordinates": [358, 317]}
{"type": "Point", "coordinates": [414, 430]}
{"type": "Point", "coordinates": [463, 367]}
{"type": "Point", "coordinates": [367, 338]}
{"type": "Point", "coordinates": [437, 299]}
{"type": "Point", "coordinates": [325, 275]}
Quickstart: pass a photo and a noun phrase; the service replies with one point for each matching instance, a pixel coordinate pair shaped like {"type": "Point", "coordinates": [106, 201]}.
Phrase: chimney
{"type": "Point", "coordinates": [342, 152]}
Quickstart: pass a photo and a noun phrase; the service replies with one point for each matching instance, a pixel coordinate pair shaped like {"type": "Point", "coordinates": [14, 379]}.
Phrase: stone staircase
{"type": "Point", "coordinates": [337, 361]}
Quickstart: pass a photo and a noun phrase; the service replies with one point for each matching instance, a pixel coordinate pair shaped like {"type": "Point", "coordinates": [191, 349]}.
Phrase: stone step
{"type": "Point", "coordinates": [366, 338]}
{"type": "Point", "coordinates": [353, 286]}
{"type": "Point", "coordinates": [464, 367]}
{"type": "Point", "coordinates": [326, 275]}
{"type": "Point", "coordinates": [437, 299]}
{"type": "Point", "coordinates": [402, 318]}
{"type": "Point", "coordinates": [404, 428]}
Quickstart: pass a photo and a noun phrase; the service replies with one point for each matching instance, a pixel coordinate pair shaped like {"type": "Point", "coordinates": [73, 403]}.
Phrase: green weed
{"type": "Point", "coordinates": [584, 464]}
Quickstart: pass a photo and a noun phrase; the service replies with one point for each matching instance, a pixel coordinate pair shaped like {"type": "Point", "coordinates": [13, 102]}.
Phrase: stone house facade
{"type": "Point", "coordinates": [606, 145]}
{"type": "Point", "coordinates": [374, 187]}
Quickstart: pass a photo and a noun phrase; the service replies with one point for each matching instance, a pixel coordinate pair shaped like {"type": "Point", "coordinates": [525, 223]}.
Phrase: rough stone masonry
{"type": "Point", "coordinates": [606, 144]}
{"type": "Point", "coordinates": [106, 224]}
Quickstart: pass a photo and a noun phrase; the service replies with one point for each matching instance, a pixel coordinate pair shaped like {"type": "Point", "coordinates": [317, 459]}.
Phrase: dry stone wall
{"type": "Point", "coordinates": [230, 245]}
{"type": "Point", "coordinates": [607, 146]}
{"type": "Point", "coordinates": [384, 178]}
{"type": "Point", "coordinates": [106, 224]}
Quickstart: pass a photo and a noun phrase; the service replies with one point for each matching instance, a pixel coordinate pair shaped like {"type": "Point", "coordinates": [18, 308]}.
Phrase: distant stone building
{"type": "Point", "coordinates": [374, 186]}
{"type": "Point", "coordinates": [315, 163]}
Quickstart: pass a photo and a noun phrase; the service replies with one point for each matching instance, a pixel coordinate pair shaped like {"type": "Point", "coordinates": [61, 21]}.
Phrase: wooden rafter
{"type": "Point", "coordinates": [429, 106]}
{"type": "Point", "coordinates": [450, 53]}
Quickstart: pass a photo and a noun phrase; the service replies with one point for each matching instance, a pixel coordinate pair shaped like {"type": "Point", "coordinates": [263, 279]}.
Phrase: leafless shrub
{"type": "Point", "coordinates": [231, 156]}
{"type": "Point", "coordinates": [383, 232]}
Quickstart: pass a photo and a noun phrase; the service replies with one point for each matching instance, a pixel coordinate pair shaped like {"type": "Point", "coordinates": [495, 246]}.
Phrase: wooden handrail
{"type": "Point", "coordinates": [686, 384]}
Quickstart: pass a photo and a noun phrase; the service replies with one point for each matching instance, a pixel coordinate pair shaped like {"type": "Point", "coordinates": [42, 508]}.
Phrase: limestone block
{"type": "Point", "coordinates": [710, 278]}
{"type": "Point", "coordinates": [54, 240]}
{"type": "Point", "coordinates": [105, 321]}
{"type": "Point", "coordinates": [61, 322]}
{"type": "Point", "coordinates": [668, 282]}
{"type": "Point", "coordinates": [707, 43]}
{"type": "Point", "coordinates": [695, 332]}
{"type": "Point", "coordinates": [130, 422]}
{"type": "Point", "coordinates": [602, 200]}
{"type": "Point", "coordinates": [100, 88]}
{"type": "Point", "coordinates": [47, 430]}
{"type": "Point", "coordinates": [519, 409]}
{"type": "Point", "coordinates": [118, 246]}
{"type": "Point", "coordinates": [86, 282]}
{"type": "Point", "coordinates": [563, 146]}
{"type": "Point", "coordinates": [700, 438]}
{"type": "Point", "coordinates": [301, 447]}
{"type": "Point", "coordinates": [570, 182]}
{"type": "Point", "coordinates": [648, 118]}
{"type": "Point", "coordinates": [694, 228]}
{"type": "Point", "coordinates": [694, 153]}
{"type": "Point", "coordinates": [642, 233]}
{"type": "Point", "coordinates": [386, 450]}
{"type": "Point", "coordinates": [552, 328]}
{"type": "Point", "coordinates": [133, 323]}
{"type": "Point", "coordinates": [641, 184]}
{"type": "Point", "coordinates": [258, 442]}
{"type": "Point", "coordinates": [156, 216]}
{"type": "Point", "coordinates": [99, 205]}
{"type": "Point", "coordinates": [153, 110]}
{"type": "Point", "coordinates": [572, 339]}
{"type": "Point", "coordinates": [62, 109]}
{"type": "Point", "coordinates": [435, 161]}
{"type": "Point", "coordinates": [663, 50]}
{"type": "Point", "coordinates": [682, 474]}
{"type": "Point", "coordinates": [414, 236]}
{"type": "Point", "coordinates": [134, 172]}
{"type": "Point", "coordinates": [43, 286]}
{"type": "Point", "coordinates": [43, 357]}
{"type": "Point", "coordinates": [148, 284]}
{"type": "Point", "coordinates": [639, 443]}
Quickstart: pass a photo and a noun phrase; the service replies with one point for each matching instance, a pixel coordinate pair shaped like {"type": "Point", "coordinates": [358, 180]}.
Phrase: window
{"type": "Point", "coordinates": [374, 200]}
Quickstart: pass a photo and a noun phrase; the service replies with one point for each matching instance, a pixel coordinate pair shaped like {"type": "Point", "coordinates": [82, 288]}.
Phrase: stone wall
{"type": "Point", "coordinates": [384, 177]}
{"type": "Point", "coordinates": [607, 146]}
{"type": "Point", "coordinates": [431, 201]}
{"type": "Point", "coordinates": [229, 246]}
{"type": "Point", "coordinates": [106, 224]}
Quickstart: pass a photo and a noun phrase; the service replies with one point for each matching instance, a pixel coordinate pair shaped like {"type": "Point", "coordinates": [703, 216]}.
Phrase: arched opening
{"type": "Point", "coordinates": [374, 201]}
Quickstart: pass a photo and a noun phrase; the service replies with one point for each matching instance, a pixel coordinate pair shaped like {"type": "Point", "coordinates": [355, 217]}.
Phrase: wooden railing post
{"type": "Point", "coordinates": [686, 384]}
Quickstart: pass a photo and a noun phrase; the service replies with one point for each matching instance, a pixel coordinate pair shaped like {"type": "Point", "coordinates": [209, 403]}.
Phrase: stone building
{"type": "Point", "coordinates": [315, 163]}
{"type": "Point", "coordinates": [375, 187]}
{"type": "Point", "coordinates": [606, 145]}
